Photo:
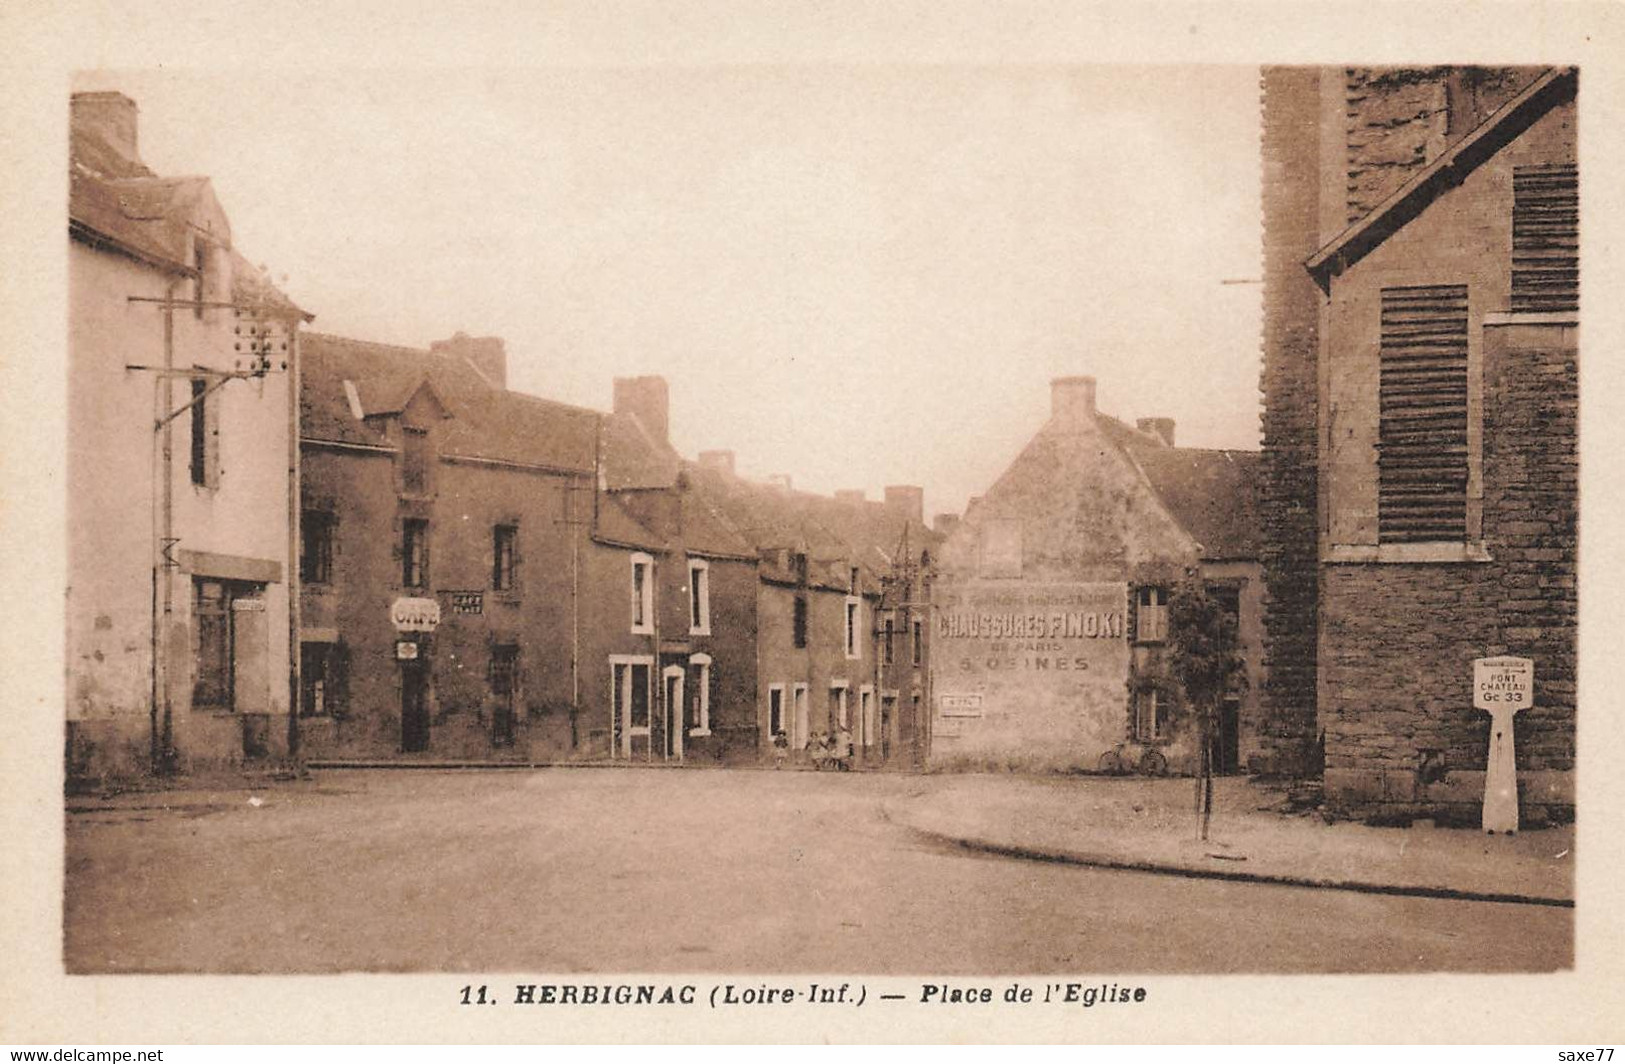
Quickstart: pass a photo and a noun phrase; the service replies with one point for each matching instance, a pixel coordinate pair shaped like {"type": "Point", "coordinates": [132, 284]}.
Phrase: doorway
{"type": "Point", "coordinates": [1227, 743]}
{"type": "Point", "coordinates": [504, 670]}
{"type": "Point", "coordinates": [630, 694]}
{"type": "Point", "coordinates": [414, 708]}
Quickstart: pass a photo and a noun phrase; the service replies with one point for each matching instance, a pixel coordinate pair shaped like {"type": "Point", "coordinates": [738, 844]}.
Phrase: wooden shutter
{"type": "Point", "coordinates": [1545, 238]}
{"type": "Point", "coordinates": [1422, 442]}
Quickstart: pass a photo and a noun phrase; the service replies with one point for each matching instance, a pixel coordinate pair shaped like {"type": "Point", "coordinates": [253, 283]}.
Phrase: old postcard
{"type": "Point", "coordinates": [644, 527]}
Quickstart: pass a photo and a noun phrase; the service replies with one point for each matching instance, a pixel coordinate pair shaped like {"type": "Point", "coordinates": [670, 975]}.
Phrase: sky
{"type": "Point", "coordinates": [855, 274]}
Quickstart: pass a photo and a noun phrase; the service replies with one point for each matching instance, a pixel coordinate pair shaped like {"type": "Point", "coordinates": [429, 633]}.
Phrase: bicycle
{"type": "Point", "coordinates": [1118, 762]}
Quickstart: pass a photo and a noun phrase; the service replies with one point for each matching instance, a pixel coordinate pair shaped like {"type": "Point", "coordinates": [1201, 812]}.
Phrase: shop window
{"type": "Point", "coordinates": [854, 616]}
{"type": "Point", "coordinates": [1422, 459]}
{"type": "Point", "coordinates": [414, 552]}
{"type": "Point", "coordinates": [316, 546]}
{"type": "Point", "coordinates": [1151, 615]}
{"type": "Point", "coordinates": [1150, 715]}
{"type": "Point", "coordinates": [699, 598]}
{"type": "Point", "coordinates": [643, 604]}
{"type": "Point", "coordinates": [504, 568]}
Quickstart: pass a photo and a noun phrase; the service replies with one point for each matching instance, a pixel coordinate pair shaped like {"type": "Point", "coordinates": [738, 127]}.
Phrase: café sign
{"type": "Point", "coordinates": [414, 614]}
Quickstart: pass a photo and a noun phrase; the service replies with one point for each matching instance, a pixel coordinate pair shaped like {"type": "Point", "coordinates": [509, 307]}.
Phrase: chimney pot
{"type": "Point", "coordinates": [112, 114]}
{"type": "Point", "coordinates": [1072, 401]}
{"type": "Point", "coordinates": [647, 400]}
{"type": "Point", "coordinates": [488, 354]}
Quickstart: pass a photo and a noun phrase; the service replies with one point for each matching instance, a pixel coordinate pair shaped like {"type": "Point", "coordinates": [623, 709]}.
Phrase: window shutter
{"type": "Point", "coordinates": [1422, 442]}
{"type": "Point", "coordinates": [1545, 238]}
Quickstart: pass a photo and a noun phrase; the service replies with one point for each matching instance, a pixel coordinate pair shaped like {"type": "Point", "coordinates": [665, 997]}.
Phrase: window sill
{"type": "Point", "coordinates": [644, 630]}
{"type": "Point", "coordinates": [699, 733]}
{"type": "Point", "coordinates": [1406, 553]}
{"type": "Point", "coordinates": [699, 631]}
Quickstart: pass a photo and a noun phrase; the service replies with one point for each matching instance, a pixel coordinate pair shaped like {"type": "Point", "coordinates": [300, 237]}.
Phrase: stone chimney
{"type": "Point", "coordinates": [721, 461]}
{"type": "Point", "coordinates": [853, 496]}
{"type": "Point", "coordinates": [943, 524]}
{"type": "Point", "coordinates": [488, 354]}
{"type": "Point", "coordinates": [113, 115]}
{"type": "Point", "coordinates": [646, 399]}
{"type": "Point", "coordinates": [1072, 402]}
{"type": "Point", "coordinates": [1161, 427]}
{"type": "Point", "coordinates": [907, 501]}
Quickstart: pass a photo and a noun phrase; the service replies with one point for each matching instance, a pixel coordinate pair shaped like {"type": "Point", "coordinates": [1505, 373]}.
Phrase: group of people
{"type": "Point", "coordinates": [824, 749]}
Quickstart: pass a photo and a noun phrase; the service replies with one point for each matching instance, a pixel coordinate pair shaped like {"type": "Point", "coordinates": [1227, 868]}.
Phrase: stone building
{"type": "Point", "coordinates": [1050, 598]}
{"type": "Point", "coordinates": [841, 635]}
{"type": "Point", "coordinates": [181, 356]}
{"type": "Point", "coordinates": [1420, 387]}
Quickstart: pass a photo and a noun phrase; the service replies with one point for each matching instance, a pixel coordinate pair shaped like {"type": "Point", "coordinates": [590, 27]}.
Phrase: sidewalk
{"type": "Point", "coordinates": [1150, 825]}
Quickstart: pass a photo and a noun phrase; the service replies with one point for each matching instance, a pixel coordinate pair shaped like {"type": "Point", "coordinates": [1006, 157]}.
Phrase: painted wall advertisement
{"type": "Point", "coordinates": [1029, 667]}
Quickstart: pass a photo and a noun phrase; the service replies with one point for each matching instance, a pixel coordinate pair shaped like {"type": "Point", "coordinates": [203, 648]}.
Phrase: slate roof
{"type": "Point", "coordinates": [833, 533]}
{"type": "Point", "coordinates": [1213, 494]}
{"type": "Point", "coordinates": [484, 422]}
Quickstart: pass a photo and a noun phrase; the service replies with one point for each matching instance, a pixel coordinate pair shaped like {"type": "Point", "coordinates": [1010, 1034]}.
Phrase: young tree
{"type": "Point", "coordinates": [1204, 656]}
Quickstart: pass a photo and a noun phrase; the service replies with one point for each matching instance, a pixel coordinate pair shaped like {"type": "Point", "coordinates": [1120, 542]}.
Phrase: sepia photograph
{"type": "Point", "coordinates": [843, 534]}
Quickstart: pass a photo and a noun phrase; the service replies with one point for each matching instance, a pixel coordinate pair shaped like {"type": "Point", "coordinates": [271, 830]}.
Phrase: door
{"type": "Point", "coordinates": [630, 695]}
{"type": "Point", "coordinates": [414, 708]}
{"type": "Point", "coordinates": [888, 713]}
{"type": "Point", "coordinates": [504, 666]}
{"type": "Point", "coordinates": [674, 712]}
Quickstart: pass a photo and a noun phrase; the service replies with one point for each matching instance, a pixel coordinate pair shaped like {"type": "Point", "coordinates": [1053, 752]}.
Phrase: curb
{"type": "Point", "coordinates": [1127, 864]}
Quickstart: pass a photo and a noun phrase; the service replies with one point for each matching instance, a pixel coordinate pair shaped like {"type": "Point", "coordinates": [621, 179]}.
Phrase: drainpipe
{"type": "Point", "coordinates": [294, 585]}
{"type": "Point", "coordinates": [658, 702]}
{"type": "Point", "coordinates": [166, 739]}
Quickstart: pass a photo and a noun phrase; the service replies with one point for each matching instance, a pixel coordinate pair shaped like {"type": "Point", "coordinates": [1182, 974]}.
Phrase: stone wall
{"type": "Point", "coordinates": [1288, 498]}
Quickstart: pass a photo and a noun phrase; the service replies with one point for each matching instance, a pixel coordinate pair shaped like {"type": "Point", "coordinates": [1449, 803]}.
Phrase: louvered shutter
{"type": "Point", "coordinates": [1422, 442]}
{"type": "Point", "coordinates": [1545, 238]}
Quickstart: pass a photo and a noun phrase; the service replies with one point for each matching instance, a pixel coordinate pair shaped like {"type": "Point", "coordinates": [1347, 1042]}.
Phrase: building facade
{"type": "Point", "coordinates": [1050, 599]}
{"type": "Point", "coordinates": [1420, 383]}
{"type": "Point", "coordinates": [181, 359]}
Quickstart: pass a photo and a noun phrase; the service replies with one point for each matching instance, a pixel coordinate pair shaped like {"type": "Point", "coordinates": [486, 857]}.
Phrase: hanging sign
{"type": "Point", "coordinates": [414, 614]}
{"type": "Point", "coordinates": [406, 650]}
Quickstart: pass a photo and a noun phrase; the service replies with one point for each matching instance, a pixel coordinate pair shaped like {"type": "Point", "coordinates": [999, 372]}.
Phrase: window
{"type": "Point", "coordinates": [1149, 715]}
{"type": "Point", "coordinates": [699, 698]}
{"type": "Point", "coordinates": [200, 287]}
{"type": "Point", "coordinates": [414, 461]}
{"type": "Point", "coordinates": [503, 540]}
{"type": "Point", "coordinates": [205, 413]}
{"type": "Point", "coordinates": [315, 546]}
{"type": "Point", "coordinates": [854, 583]}
{"type": "Point", "coordinates": [919, 642]}
{"type": "Point", "coordinates": [643, 602]}
{"type": "Point", "coordinates": [886, 634]}
{"type": "Point", "coordinates": [1151, 615]}
{"type": "Point", "coordinates": [775, 709]}
{"type": "Point", "coordinates": [798, 566]}
{"type": "Point", "coordinates": [414, 552]}
{"type": "Point", "coordinates": [699, 598]}
{"type": "Point", "coordinates": [1545, 238]}
{"type": "Point", "coordinates": [798, 622]}
{"type": "Point", "coordinates": [854, 646]}
{"type": "Point", "coordinates": [314, 700]}
{"type": "Point", "coordinates": [866, 713]}
{"type": "Point", "coordinates": [504, 670]}
{"type": "Point", "coordinates": [1422, 430]}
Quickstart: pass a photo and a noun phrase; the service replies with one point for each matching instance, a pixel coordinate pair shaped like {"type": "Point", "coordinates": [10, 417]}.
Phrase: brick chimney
{"type": "Point", "coordinates": [1072, 402]}
{"type": "Point", "coordinates": [849, 495]}
{"type": "Point", "coordinates": [721, 461]}
{"type": "Point", "coordinates": [111, 114]}
{"type": "Point", "coordinates": [646, 399]}
{"type": "Point", "coordinates": [907, 501]}
{"type": "Point", "coordinates": [1161, 427]}
{"type": "Point", "coordinates": [488, 354]}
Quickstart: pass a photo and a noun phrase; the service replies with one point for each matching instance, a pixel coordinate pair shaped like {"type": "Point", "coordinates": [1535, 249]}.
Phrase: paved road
{"type": "Point", "coordinates": [577, 870]}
